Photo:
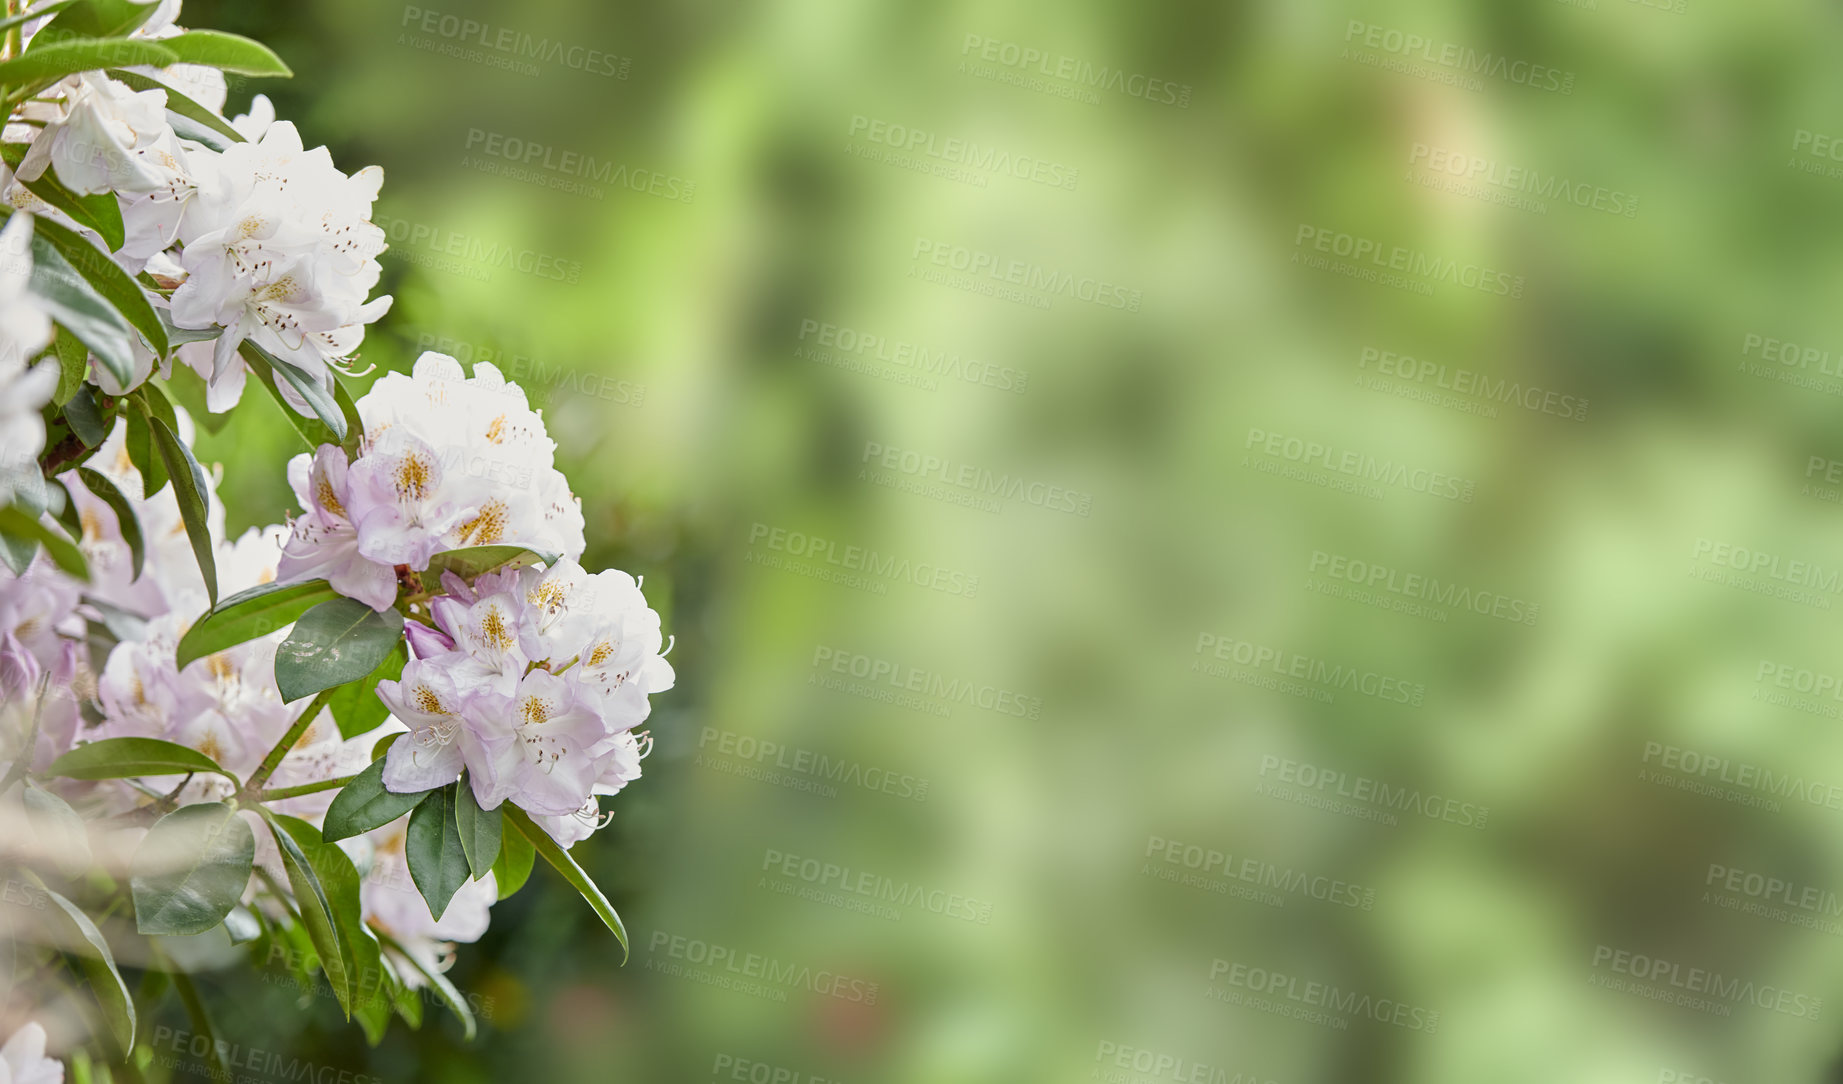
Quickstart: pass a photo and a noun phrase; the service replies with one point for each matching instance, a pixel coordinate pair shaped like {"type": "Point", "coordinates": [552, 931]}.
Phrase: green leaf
{"type": "Point", "coordinates": [81, 412]}
{"type": "Point", "coordinates": [248, 614]}
{"type": "Point", "coordinates": [124, 758]}
{"type": "Point", "coordinates": [106, 277]}
{"type": "Point", "coordinates": [191, 868]}
{"type": "Point", "coordinates": [337, 641]}
{"type": "Point", "coordinates": [53, 61]}
{"type": "Point", "coordinates": [105, 491]}
{"type": "Point", "coordinates": [101, 211]}
{"type": "Point", "coordinates": [438, 864]}
{"type": "Point", "coordinates": [226, 52]}
{"type": "Point", "coordinates": [318, 397]}
{"type": "Point", "coordinates": [73, 366]}
{"type": "Point", "coordinates": [356, 707]}
{"type": "Point", "coordinates": [76, 306]}
{"type": "Point", "coordinates": [560, 859]}
{"type": "Point", "coordinates": [105, 981]}
{"type": "Point", "coordinates": [178, 105]}
{"type": "Point", "coordinates": [345, 943]}
{"type": "Point", "coordinates": [190, 486]}
{"type": "Point", "coordinates": [313, 431]}
{"type": "Point", "coordinates": [516, 856]}
{"type": "Point", "coordinates": [38, 12]}
{"type": "Point", "coordinates": [472, 561]}
{"type": "Point", "coordinates": [146, 461]}
{"type": "Point", "coordinates": [355, 425]}
{"type": "Point", "coordinates": [480, 830]}
{"type": "Point", "coordinates": [383, 745]}
{"type": "Point", "coordinates": [58, 829]}
{"type": "Point", "coordinates": [15, 523]}
{"type": "Point", "coordinates": [364, 804]}
{"type": "Point", "coordinates": [443, 988]}
{"type": "Point", "coordinates": [94, 19]}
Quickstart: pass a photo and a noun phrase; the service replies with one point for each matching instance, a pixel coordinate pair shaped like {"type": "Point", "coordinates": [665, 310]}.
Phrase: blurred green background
{"type": "Point", "coordinates": [1162, 243]}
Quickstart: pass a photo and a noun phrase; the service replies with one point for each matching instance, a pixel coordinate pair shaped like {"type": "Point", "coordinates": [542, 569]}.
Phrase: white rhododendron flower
{"type": "Point", "coordinates": [100, 143]}
{"type": "Point", "coordinates": [448, 462]}
{"type": "Point", "coordinates": [532, 681]}
{"type": "Point", "coordinates": [25, 328]}
{"type": "Point", "coordinates": [23, 1060]}
{"type": "Point", "coordinates": [279, 247]}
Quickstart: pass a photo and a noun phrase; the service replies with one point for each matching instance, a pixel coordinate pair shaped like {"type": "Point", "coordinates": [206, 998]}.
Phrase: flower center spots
{"type": "Point", "coordinates": [249, 227]}
{"type": "Point", "coordinates": [494, 631]}
{"type": "Point", "coordinates": [535, 710]}
{"type": "Point", "coordinates": [487, 527]}
{"type": "Point", "coordinates": [92, 527]}
{"type": "Point", "coordinates": [280, 290]}
{"type": "Point", "coordinates": [496, 432]}
{"type": "Point", "coordinates": [601, 653]}
{"type": "Point", "coordinates": [220, 667]}
{"type": "Point", "coordinates": [549, 595]}
{"type": "Point", "coordinates": [323, 492]}
{"type": "Point", "coordinates": [211, 748]}
{"type": "Point", "coordinates": [414, 477]}
{"type": "Point", "coordinates": [428, 702]}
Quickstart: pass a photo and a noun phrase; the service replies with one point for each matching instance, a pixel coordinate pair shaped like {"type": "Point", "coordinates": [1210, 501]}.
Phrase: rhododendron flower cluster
{"type": "Point", "coordinates": [297, 735]}
{"type": "Point", "coordinates": [532, 681]}
{"type": "Point", "coordinates": [448, 462]}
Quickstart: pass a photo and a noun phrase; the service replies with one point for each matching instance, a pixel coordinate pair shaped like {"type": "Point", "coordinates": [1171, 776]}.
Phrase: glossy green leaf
{"type": "Point", "coordinates": [76, 306]}
{"type": "Point", "coordinates": [73, 368]}
{"type": "Point", "coordinates": [246, 615]}
{"type": "Point", "coordinates": [124, 758]}
{"type": "Point", "coordinates": [101, 211]}
{"type": "Point", "coordinates": [356, 707]}
{"type": "Point", "coordinates": [99, 967]}
{"type": "Point", "coordinates": [190, 486]}
{"type": "Point", "coordinates": [49, 62]}
{"type": "Point", "coordinates": [38, 12]}
{"type": "Point", "coordinates": [516, 857]}
{"type": "Point", "coordinates": [316, 908]}
{"type": "Point", "coordinates": [479, 830]}
{"type": "Point", "coordinates": [226, 52]}
{"type": "Point", "coordinates": [444, 989]}
{"type": "Point", "coordinates": [191, 869]}
{"type": "Point", "coordinates": [319, 397]}
{"type": "Point", "coordinates": [107, 278]}
{"type": "Point", "coordinates": [438, 864]}
{"type": "Point", "coordinates": [94, 19]}
{"type": "Point", "coordinates": [15, 523]}
{"type": "Point", "coordinates": [338, 891]}
{"type": "Point", "coordinates": [202, 1024]}
{"type": "Point", "coordinates": [82, 413]}
{"type": "Point", "coordinates": [104, 490]}
{"type": "Point", "coordinates": [190, 119]}
{"type": "Point", "coordinates": [141, 454]}
{"type": "Point", "coordinates": [472, 561]}
{"type": "Point", "coordinates": [561, 861]}
{"type": "Point", "coordinates": [364, 804]}
{"type": "Point", "coordinates": [337, 641]}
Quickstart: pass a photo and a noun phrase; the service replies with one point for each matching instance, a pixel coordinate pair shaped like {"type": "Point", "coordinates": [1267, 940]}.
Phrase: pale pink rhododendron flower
{"type": "Point", "coordinates": [23, 1060]}
{"type": "Point", "coordinates": [447, 462]}
{"type": "Point", "coordinates": [533, 682]}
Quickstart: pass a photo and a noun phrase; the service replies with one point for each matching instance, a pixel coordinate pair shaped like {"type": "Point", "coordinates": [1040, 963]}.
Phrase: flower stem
{"type": "Point", "coordinates": [305, 788]}
{"type": "Point", "coordinates": [253, 788]}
